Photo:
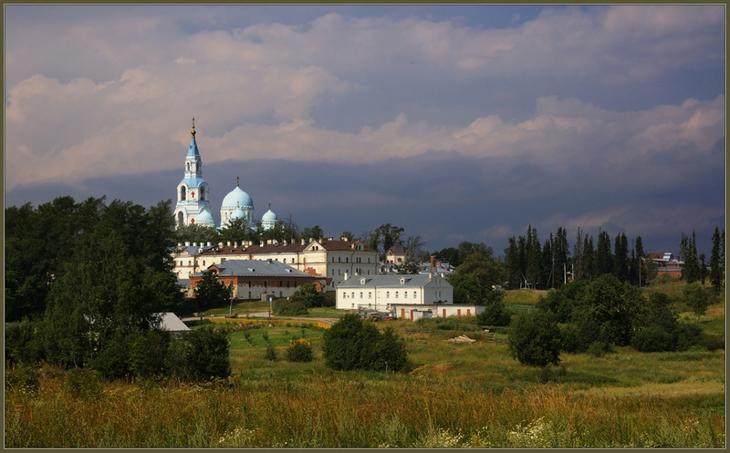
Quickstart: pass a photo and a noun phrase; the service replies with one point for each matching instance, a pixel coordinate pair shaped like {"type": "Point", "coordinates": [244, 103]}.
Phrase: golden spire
{"type": "Point", "coordinates": [192, 131]}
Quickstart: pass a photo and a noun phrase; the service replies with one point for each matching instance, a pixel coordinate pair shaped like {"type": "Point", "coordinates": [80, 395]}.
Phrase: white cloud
{"type": "Point", "coordinates": [115, 95]}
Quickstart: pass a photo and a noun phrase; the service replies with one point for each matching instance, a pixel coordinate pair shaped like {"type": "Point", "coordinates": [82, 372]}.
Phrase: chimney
{"type": "Point", "coordinates": [228, 243]}
{"type": "Point", "coordinates": [187, 244]}
{"type": "Point", "coordinates": [343, 238]}
{"type": "Point", "coordinates": [207, 244]}
{"type": "Point", "coordinates": [430, 276]}
{"type": "Point", "coordinates": [268, 242]}
{"type": "Point", "coordinates": [442, 275]}
{"type": "Point", "coordinates": [345, 276]}
{"type": "Point", "coordinates": [284, 243]}
{"type": "Point", "coordinates": [275, 242]}
{"type": "Point", "coordinates": [220, 244]}
{"type": "Point", "coordinates": [235, 244]}
{"type": "Point", "coordinates": [302, 241]}
{"type": "Point", "coordinates": [179, 244]}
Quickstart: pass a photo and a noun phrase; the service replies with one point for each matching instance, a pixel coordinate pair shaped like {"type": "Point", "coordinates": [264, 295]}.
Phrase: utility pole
{"type": "Point", "coordinates": [565, 275]}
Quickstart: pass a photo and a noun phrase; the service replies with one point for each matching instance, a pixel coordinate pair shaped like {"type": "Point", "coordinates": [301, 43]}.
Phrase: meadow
{"type": "Point", "coordinates": [454, 395]}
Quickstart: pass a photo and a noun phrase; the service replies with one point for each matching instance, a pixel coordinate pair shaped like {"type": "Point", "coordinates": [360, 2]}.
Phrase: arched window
{"type": "Point", "coordinates": [180, 219]}
{"type": "Point", "coordinates": [202, 192]}
{"type": "Point", "coordinates": [182, 193]}
{"type": "Point", "coordinates": [187, 166]}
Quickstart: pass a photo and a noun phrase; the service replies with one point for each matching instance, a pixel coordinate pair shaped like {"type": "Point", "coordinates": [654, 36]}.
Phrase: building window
{"type": "Point", "coordinates": [396, 294]}
{"type": "Point", "coordinates": [249, 284]}
{"type": "Point", "coordinates": [360, 294]}
{"type": "Point", "coordinates": [414, 294]}
{"type": "Point", "coordinates": [284, 260]}
{"type": "Point", "coordinates": [182, 193]}
{"type": "Point", "coordinates": [347, 260]}
{"type": "Point", "coordinates": [370, 295]}
{"type": "Point", "coordinates": [333, 259]}
{"type": "Point", "coordinates": [339, 259]}
{"type": "Point", "coordinates": [387, 294]}
{"type": "Point", "coordinates": [368, 260]}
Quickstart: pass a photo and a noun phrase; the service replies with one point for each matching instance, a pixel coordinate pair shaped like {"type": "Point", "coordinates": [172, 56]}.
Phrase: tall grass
{"type": "Point", "coordinates": [354, 410]}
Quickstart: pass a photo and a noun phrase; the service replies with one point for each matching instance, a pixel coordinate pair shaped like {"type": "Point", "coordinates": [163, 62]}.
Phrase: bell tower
{"type": "Point", "coordinates": [192, 191]}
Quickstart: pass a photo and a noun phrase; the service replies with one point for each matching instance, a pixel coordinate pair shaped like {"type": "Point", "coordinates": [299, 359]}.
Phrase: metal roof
{"type": "Point", "coordinates": [389, 281]}
{"type": "Point", "coordinates": [262, 268]}
{"type": "Point", "coordinates": [170, 322]}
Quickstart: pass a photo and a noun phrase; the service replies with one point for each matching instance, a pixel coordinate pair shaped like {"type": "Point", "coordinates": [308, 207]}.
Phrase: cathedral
{"type": "Point", "coordinates": [193, 197]}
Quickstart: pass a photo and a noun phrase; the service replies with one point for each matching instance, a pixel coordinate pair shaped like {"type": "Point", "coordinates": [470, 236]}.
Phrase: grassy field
{"type": "Point", "coordinates": [454, 395]}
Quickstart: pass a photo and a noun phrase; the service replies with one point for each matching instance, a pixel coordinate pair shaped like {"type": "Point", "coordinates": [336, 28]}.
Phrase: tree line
{"type": "Point", "coordinates": [86, 283]}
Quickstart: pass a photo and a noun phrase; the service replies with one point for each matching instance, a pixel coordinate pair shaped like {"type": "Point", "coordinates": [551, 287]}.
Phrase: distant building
{"type": "Point", "coordinates": [667, 264]}
{"type": "Point", "coordinates": [328, 258]}
{"type": "Point", "coordinates": [257, 279]}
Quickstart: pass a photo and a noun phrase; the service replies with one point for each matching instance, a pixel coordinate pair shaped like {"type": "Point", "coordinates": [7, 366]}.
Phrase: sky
{"type": "Point", "coordinates": [454, 122]}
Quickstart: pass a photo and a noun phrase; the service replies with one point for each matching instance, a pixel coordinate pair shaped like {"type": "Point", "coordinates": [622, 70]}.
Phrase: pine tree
{"type": "Point", "coordinates": [548, 265]}
{"type": "Point", "coordinates": [603, 254]}
{"type": "Point", "coordinates": [589, 260]}
{"type": "Point", "coordinates": [533, 251]}
{"type": "Point", "coordinates": [578, 261]}
{"type": "Point", "coordinates": [716, 276]}
{"type": "Point", "coordinates": [512, 262]}
{"type": "Point", "coordinates": [640, 255]}
{"type": "Point", "coordinates": [620, 257]}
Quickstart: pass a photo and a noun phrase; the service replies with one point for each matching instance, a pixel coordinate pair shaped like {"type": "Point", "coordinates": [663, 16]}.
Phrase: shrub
{"type": "Point", "coordinates": [599, 348]}
{"type": "Point", "coordinates": [112, 360]}
{"type": "Point", "coordinates": [697, 298]}
{"type": "Point", "coordinates": [354, 344]}
{"type": "Point", "coordinates": [688, 335]}
{"type": "Point", "coordinates": [283, 307]}
{"type": "Point", "coordinates": [299, 351]}
{"type": "Point", "coordinates": [653, 338]}
{"type": "Point", "coordinates": [23, 342]}
{"type": "Point", "coordinates": [569, 339]}
{"type": "Point", "coordinates": [270, 353]}
{"type": "Point", "coordinates": [712, 342]}
{"type": "Point", "coordinates": [309, 296]}
{"type": "Point", "coordinates": [147, 353]}
{"type": "Point", "coordinates": [83, 383]}
{"type": "Point", "coordinates": [495, 314]}
{"type": "Point", "coordinates": [198, 355]}
{"type": "Point", "coordinates": [534, 339]}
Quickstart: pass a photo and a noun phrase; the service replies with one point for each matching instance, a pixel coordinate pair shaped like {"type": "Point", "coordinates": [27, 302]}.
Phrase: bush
{"type": "Point", "coordinates": [697, 298]}
{"type": "Point", "coordinates": [83, 383]}
{"type": "Point", "coordinates": [270, 353]}
{"type": "Point", "coordinates": [495, 314]}
{"type": "Point", "coordinates": [147, 353]}
{"type": "Point", "coordinates": [688, 335]}
{"type": "Point", "coordinates": [283, 307]}
{"type": "Point", "coordinates": [653, 338]}
{"type": "Point", "coordinates": [713, 342]}
{"type": "Point", "coordinates": [198, 355]}
{"type": "Point", "coordinates": [599, 348]}
{"type": "Point", "coordinates": [534, 339]}
{"type": "Point", "coordinates": [354, 344]}
{"type": "Point", "coordinates": [299, 351]}
{"type": "Point", "coordinates": [23, 342]}
{"type": "Point", "coordinates": [112, 360]}
{"type": "Point", "coordinates": [569, 339]}
{"type": "Point", "coordinates": [309, 296]}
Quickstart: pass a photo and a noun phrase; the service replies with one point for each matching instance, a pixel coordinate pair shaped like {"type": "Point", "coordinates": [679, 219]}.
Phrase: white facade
{"type": "Point", "coordinates": [327, 258]}
{"type": "Point", "coordinates": [381, 292]}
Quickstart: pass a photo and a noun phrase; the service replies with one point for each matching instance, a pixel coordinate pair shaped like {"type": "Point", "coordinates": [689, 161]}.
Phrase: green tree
{"type": "Point", "coordinates": [211, 292]}
{"type": "Point", "coordinates": [473, 279]}
{"type": "Point", "coordinates": [208, 354]}
{"type": "Point", "coordinates": [238, 230]}
{"type": "Point", "coordinates": [512, 264]}
{"type": "Point", "coordinates": [299, 351]}
{"type": "Point", "coordinates": [314, 232]}
{"type": "Point", "coordinates": [495, 313]}
{"type": "Point", "coordinates": [603, 258]}
{"type": "Point", "coordinates": [696, 298]}
{"type": "Point", "coordinates": [534, 339]}
{"type": "Point", "coordinates": [621, 258]}
{"type": "Point", "coordinates": [716, 265]}
{"type": "Point", "coordinates": [533, 257]}
{"type": "Point", "coordinates": [196, 233]}
{"type": "Point", "coordinates": [309, 296]}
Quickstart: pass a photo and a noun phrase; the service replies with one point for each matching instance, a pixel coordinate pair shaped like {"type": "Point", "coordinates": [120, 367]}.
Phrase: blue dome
{"type": "Point", "coordinates": [237, 198]}
{"type": "Point", "coordinates": [269, 216]}
{"type": "Point", "coordinates": [205, 218]}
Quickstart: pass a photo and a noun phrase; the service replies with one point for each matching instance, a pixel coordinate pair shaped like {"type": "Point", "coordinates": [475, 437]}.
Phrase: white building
{"type": "Point", "coordinates": [406, 296]}
{"type": "Point", "coordinates": [192, 191]}
{"type": "Point", "coordinates": [328, 258]}
{"type": "Point", "coordinates": [379, 292]}
{"type": "Point", "coordinates": [193, 197]}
